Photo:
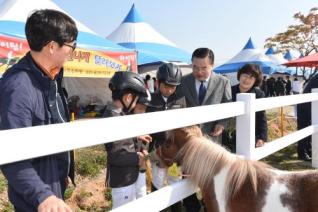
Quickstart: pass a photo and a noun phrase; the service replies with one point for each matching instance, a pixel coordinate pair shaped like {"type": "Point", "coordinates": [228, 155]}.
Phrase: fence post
{"type": "Point", "coordinates": [245, 126]}
{"type": "Point", "coordinates": [314, 137]}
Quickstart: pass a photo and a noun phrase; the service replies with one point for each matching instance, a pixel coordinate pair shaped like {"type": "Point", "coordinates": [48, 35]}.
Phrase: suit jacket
{"type": "Point", "coordinates": [218, 91]}
{"type": "Point", "coordinates": [304, 109]}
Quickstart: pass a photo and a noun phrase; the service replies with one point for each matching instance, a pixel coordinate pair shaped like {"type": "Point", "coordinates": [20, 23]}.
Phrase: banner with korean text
{"type": "Point", "coordinates": [81, 63]}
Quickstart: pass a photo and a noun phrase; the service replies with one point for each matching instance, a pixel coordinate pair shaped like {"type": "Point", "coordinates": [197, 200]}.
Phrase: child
{"type": "Point", "coordinates": [123, 157]}
{"type": "Point", "coordinates": [168, 77]}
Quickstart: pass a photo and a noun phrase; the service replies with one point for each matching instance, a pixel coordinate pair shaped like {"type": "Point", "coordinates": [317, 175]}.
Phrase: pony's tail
{"type": "Point", "coordinates": [241, 172]}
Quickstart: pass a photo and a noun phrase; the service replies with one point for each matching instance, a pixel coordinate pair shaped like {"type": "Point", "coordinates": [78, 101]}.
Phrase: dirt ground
{"type": "Point", "coordinates": [90, 195]}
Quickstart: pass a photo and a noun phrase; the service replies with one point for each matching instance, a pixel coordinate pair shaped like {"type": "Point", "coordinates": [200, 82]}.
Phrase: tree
{"type": "Point", "coordinates": [302, 37]}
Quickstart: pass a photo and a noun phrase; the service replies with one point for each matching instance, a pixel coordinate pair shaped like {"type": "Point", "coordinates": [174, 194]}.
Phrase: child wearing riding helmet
{"type": "Point", "coordinates": [165, 98]}
{"type": "Point", "coordinates": [124, 158]}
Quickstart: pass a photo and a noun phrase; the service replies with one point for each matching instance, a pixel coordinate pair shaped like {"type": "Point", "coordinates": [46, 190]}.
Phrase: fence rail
{"type": "Point", "coordinates": [25, 143]}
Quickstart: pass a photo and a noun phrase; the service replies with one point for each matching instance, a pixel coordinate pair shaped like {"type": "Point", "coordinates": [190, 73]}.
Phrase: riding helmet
{"type": "Point", "coordinates": [124, 81]}
{"type": "Point", "coordinates": [169, 73]}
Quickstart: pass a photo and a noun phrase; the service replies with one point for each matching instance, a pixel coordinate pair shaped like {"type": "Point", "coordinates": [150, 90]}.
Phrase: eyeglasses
{"type": "Point", "coordinates": [73, 46]}
{"type": "Point", "coordinates": [248, 76]}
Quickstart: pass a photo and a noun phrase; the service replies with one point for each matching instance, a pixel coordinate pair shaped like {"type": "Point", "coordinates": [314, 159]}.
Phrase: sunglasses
{"type": "Point", "coordinates": [73, 46]}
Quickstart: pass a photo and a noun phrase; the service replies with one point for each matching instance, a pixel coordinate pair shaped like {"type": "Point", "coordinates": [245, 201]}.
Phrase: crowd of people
{"type": "Point", "coordinates": [280, 87]}
{"type": "Point", "coordinates": [32, 94]}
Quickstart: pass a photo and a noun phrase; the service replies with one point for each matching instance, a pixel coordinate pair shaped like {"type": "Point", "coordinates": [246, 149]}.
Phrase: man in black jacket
{"type": "Point", "coordinates": [304, 120]}
{"type": "Point", "coordinates": [31, 95]}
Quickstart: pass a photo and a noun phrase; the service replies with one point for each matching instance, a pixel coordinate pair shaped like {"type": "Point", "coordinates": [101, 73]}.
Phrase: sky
{"type": "Point", "coordinates": [222, 25]}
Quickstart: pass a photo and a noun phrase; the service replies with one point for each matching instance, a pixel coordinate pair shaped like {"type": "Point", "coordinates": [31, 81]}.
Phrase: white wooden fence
{"type": "Point", "coordinates": [25, 143]}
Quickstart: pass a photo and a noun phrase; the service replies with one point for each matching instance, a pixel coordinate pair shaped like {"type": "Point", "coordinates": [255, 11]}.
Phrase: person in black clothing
{"type": "Point", "coordinates": [279, 87]}
{"type": "Point", "coordinates": [32, 95]}
{"type": "Point", "coordinates": [271, 87]}
{"type": "Point", "coordinates": [249, 77]}
{"type": "Point", "coordinates": [304, 120]}
{"type": "Point", "coordinates": [124, 157]}
{"type": "Point", "coordinates": [166, 98]}
{"type": "Point", "coordinates": [288, 85]}
{"type": "Point", "coordinates": [264, 87]}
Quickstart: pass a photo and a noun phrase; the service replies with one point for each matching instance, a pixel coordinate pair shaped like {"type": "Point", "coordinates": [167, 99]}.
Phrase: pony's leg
{"type": "Point", "coordinates": [209, 199]}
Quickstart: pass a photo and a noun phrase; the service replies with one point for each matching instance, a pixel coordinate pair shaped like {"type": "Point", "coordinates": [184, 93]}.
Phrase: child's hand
{"type": "Point", "coordinates": [143, 156]}
{"type": "Point", "coordinates": [144, 138]}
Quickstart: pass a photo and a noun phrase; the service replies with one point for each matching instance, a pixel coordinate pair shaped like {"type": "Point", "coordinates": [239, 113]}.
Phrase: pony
{"type": "Point", "coordinates": [231, 183]}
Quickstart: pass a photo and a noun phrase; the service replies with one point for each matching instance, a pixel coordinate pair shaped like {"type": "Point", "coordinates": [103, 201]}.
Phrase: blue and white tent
{"type": "Point", "coordinates": [289, 56]}
{"type": "Point", "coordinates": [13, 14]}
{"type": "Point", "coordinates": [278, 59]}
{"type": "Point", "coordinates": [151, 46]}
{"type": "Point", "coordinates": [249, 54]}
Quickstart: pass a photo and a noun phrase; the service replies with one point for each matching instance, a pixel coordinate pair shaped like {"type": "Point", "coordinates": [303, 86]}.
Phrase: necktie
{"type": "Point", "coordinates": [202, 91]}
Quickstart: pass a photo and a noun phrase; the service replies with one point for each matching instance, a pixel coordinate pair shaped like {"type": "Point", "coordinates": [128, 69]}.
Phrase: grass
{"type": "Point", "coordinates": [8, 207]}
{"type": "Point", "coordinates": [3, 183]}
{"type": "Point", "coordinates": [68, 192]}
{"type": "Point", "coordinates": [285, 159]}
{"type": "Point", "coordinates": [90, 161]}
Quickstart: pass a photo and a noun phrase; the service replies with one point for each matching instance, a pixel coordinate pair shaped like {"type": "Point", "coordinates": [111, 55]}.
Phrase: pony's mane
{"type": "Point", "coordinates": [203, 159]}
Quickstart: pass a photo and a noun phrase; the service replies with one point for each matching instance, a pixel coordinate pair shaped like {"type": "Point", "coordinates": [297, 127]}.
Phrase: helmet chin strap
{"type": "Point", "coordinates": [128, 110]}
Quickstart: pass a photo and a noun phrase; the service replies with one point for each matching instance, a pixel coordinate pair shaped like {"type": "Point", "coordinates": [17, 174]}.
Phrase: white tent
{"type": "Point", "coordinates": [278, 59]}
{"type": "Point", "coordinates": [13, 14]}
{"type": "Point", "coordinates": [18, 10]}
{"type": "Point", "coordinates": [249, 54]}
{"type": "Point", "coordinates": [152, 48]}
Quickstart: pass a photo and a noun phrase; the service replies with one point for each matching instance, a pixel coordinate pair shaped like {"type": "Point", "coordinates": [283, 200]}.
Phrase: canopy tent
{"type": "Point", "coordinates": [301, 66]}
{"type": "Point", "coordinates": [151, 46]}
{"type": "Point", "coordinates": [278, 59]}
{"type": "Point", "coordinates": [289, 56]}
{"type": "Point", "coordinates": [307, 61]}
{"type": "Point", "coordinates": [94, 57]}
{"type": "Point", "coordinates": [92, 63]}
{"type": "Point", "coordinates": [249, 54]}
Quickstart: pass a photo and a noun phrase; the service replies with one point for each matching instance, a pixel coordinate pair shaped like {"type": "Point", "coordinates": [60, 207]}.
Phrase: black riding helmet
{"type": "Point", "coordinates": [126, 81]}
{"type": "Point", "coordinates": [169, 74]}
{"type": "Point", "coordinates": [145, 100]}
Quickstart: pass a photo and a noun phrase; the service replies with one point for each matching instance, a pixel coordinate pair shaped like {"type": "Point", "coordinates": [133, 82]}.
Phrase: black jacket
{"type": "Point", "coordinates": [304, 110]}
{"type": "Point", "coordinates": [159, 104]}
{"type": "Point", "coordinates": [122, 158]}
{"type": "Point", "coordinates": [260, 116]}
{"type": "Point", "coordinates": [24, 101]}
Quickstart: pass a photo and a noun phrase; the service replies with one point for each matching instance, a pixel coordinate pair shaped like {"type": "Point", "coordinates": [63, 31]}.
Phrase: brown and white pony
{"type": "Point", "coordinates": [232, 184]}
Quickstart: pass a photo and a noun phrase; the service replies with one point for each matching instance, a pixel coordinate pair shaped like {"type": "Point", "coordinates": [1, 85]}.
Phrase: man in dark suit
{"type": "Point", "coordinates": [203, 87]}
{"type": "Point", "coordinates": [304, 120]}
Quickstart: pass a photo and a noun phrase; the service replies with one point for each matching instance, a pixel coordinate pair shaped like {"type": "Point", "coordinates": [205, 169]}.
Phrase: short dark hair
{"type": "Point", "coordinates": [43, 26]}
{"type": "Point", "coordinates": [253, 70]}
{"type": "Point", "coordinates": [203, 53]}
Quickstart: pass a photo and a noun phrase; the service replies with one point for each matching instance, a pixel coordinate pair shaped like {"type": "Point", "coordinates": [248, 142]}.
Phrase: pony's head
{"type": "Point", "coordinates": [169, 151]}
